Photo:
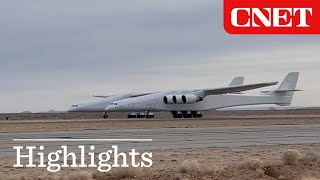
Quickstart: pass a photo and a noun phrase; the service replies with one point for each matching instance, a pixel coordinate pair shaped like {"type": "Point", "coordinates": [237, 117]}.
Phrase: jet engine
{"type": "Point", "coordinates": [190, 99]}
{"type": "Point", "coordinates": [168, 99]}
{"type": "Point", "coordinates": [177, 99]}
{"type": "Point", "coordinates": [181, 99]}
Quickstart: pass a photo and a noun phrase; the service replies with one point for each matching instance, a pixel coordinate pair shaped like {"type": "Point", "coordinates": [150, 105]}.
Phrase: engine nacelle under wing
{"type": "Point", "coordinates": [189, 99]}
{"type": "Point", "coordinates": [168, 99]}
{"type": "Point", "coordinates": [177, 99]}
{"type": "Point", "coordinates": [181, 99]}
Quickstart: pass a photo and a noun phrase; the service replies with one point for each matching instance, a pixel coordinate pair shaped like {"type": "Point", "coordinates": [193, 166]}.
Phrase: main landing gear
{"type": "Point", "coordinates": [186, 114]}
{"type": "Point", "coordinates": [147, 115]}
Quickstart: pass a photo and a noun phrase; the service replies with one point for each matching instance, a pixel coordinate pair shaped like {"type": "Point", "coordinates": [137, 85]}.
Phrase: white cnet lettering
{"type": "Point", "coordinates": [265, 20]}
{"type": "Point", "coordinates": [272, 19]}
{"type": "Point", "coordinates": [234, 17]}
{"type": "Point", "coordinates": [303, 16]}
{"type": "Point", "coordinates": [277, 17]}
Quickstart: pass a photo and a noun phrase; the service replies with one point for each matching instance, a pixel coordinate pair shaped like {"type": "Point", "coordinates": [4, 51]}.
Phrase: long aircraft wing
{"type": "Point", "coordinates": [141, 94]}
{"type": "Point", "coordinates": [98, 96]}
{"type": "Point", "coordinates": [234, 89]}
{"type": "Point", "coordinates": [132, 96]}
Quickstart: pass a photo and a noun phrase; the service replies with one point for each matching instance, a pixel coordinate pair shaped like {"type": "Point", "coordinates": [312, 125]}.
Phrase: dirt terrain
{"type": "Point", "coordinates": [209, 163]}
{"type": "Point", "coordinates": [253, 162]}
{"type": "Point", "coordinates": [206, 114]}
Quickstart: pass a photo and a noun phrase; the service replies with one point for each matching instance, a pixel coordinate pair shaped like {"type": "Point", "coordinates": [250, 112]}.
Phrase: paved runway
{"type": "Point", "coordinates": [216, 117]}
{"type": "Point", "coordinates": [171, 138]}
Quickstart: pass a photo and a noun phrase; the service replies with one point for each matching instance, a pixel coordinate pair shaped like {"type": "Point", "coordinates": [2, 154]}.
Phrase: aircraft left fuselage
{"type": "Point", "coordinates": [192, 101]}
{"type": "Point", "coordinates": [155, 102]}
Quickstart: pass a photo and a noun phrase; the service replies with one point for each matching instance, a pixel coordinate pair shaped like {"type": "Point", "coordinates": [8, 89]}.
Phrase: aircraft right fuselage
{"type": "Point", "coordinates": [209, 99]}
{"type": "Point", "coordinates": [155, 102]}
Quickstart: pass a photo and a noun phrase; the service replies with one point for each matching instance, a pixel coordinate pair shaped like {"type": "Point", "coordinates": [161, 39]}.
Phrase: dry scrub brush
{"type": "Point", "coordinates": [79, 175]}
{"type": "Point", "coordinates": [291, 157]}
{"type": "Point", "coordinates": [179, 177]}
{"type": "Point", "coordinates": [82, 175]}
{"type": "Point", "coordinates": [13, 177]}
{"type": "Point", "coordinates": [127, 172]}
{"type": "Point", "coordinates": [255, 164]}
{"type": "Point", "coordinates": [310, 156]}
{"type": "Point", "coordinates": [212, 169]}
{"type": "Point", "coordinates": [193, 167]}
{"type": "Point", "coordinates": [189, 166]}
{"type": "Point", "coordinates": [260, 172]}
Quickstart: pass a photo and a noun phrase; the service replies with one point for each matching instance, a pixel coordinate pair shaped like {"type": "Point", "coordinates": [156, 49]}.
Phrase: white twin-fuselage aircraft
{"type": "Point", "coordinates": [189, 103]}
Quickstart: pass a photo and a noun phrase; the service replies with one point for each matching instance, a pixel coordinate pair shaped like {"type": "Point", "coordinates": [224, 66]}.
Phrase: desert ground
{"type": "Point", "coordinates": [256, 162]}
{"type": "Point", "coordinates": [302, 161]}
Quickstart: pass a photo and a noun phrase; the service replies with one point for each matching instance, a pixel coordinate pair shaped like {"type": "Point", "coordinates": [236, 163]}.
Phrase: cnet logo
{"type": "Point", "coordinates": [271, 17]}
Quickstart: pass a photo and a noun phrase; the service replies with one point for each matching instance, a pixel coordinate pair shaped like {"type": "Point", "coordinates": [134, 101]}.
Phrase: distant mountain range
{"type": "Point", "coordinates": [54, 111]}
{"type": "Point", "coordinates": [51, 111]}
{"type": "Point", "coordinates": [26, 112]}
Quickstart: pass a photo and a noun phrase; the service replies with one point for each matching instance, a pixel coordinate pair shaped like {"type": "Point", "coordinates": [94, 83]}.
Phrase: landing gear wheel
{"type": "Point", "coordinates": [105, 116]}
{"type": "Point", "coordinates": [177, 115]}
{"type": "Point", "coordinates": [141, 115]}
{"type": "Point", "coordinates": [149, 115]}
{"type": "Point", "coordinates": [196, 114]}
{"type": "Point", "coordinates": [132, 115]}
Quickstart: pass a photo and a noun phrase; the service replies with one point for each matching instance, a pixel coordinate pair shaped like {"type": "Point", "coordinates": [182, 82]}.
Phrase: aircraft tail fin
{"type": "Point", "coordinates": [237, 81]}
{"type": "Point", "coordinates": [286, 88]}
{"type": "Point", "coordinates": [289, 83]}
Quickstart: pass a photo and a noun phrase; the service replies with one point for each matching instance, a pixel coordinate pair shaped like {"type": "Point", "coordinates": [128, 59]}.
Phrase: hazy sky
{"type": "Point", "coordinates": [56, 53]}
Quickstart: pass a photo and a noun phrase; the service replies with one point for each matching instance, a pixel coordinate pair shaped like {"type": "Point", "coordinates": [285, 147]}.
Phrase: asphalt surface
{"type": "Point", "coordinates": [167, 138]}
{"type": "Point", "coordinates": [217, 117]}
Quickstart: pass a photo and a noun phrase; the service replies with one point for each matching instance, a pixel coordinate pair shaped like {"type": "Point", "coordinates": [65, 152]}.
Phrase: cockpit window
{"type": "Point", "coordinates": [115, 104]}
{"type": "Point", "coordinates": [75, 105]}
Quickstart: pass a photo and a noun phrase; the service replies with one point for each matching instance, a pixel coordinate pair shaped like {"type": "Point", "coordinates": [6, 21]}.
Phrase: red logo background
{"type": "Point", "coordinates": [312, 20]}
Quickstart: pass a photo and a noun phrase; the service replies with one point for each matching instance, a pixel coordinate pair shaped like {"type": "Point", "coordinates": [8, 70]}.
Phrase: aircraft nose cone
{"type": "Point", "coordinates": [73, 108]}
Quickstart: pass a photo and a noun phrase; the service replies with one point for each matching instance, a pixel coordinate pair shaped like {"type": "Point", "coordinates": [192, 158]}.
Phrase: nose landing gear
{"type": "Point", "coordinates": [105, 116]}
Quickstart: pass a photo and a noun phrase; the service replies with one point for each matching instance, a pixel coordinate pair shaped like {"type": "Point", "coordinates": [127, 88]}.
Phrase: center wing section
{"type": "Point", "coordinates": [235, 89]}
